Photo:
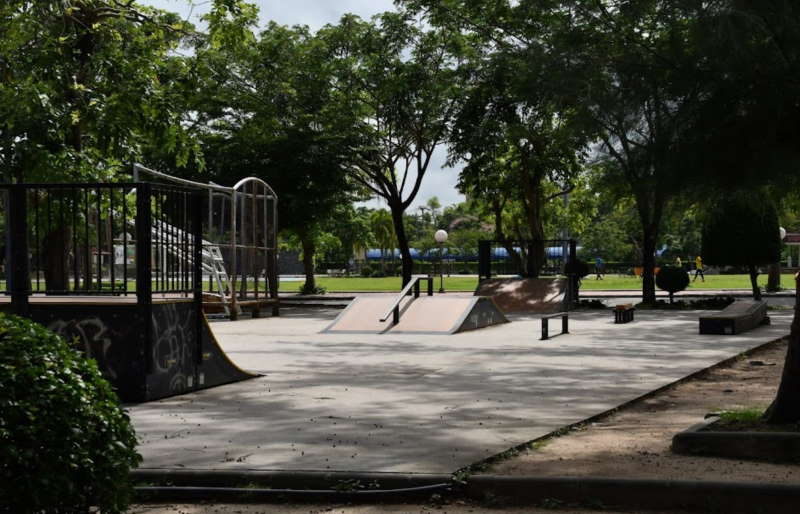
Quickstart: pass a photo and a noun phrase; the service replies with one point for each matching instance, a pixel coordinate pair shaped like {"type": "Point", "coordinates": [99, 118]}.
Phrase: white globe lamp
{"type": "Point", "coordinates": [782, 232]}
{"type": "Point", "coordinates": [441, 238]}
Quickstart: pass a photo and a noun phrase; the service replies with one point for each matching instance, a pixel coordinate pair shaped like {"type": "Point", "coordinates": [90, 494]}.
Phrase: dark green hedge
{"type": "Point", "coordinates": [65, 443]}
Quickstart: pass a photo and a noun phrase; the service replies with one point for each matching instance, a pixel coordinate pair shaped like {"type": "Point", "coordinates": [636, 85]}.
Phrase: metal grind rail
{"type": "Point", "coordinates": [394, 310]}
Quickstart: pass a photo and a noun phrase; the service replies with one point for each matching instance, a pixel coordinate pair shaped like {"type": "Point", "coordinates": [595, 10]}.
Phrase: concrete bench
{"type": "Point", "coordinates": [564, 324]}
{"type": "Point", "coordinates": [335, 272]}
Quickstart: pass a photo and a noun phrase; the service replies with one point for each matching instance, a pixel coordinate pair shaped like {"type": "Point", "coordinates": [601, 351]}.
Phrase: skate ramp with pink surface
{"type": "Point", "coordinates": [539, 295]}
{"type": "Point", "coordinates": [423, 315]}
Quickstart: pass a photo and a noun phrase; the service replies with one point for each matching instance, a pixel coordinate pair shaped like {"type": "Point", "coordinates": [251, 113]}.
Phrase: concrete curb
{"type": "Point", "coordinates": [284, 479]}
{"type": "Point", "coordinates": [758, 446]}
{"type": "Point", "coordinates": [696, 496]}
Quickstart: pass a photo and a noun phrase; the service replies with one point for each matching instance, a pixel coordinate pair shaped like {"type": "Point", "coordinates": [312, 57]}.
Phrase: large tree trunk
{"type": "Point", "coordinates": [785, 408]}
{"type": "Point", "coordinates": [402, 242]}
{"type": "Point", "coordinates": [648, 268]}
{"type": "Point", "coordinates": [309, 248]}
{"type": "Point", "coordinates": [533, 199]}
{"type": "Point", "coordinates": [56, 248]}
{"type": "Point", "coordinates": [754, 282]}
{"type": "Point", "coordinates": [774, 278]}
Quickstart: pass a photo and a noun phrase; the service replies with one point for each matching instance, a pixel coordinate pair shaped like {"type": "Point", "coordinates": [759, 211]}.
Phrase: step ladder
{"type": "Point", "coordinates": [212, 261]}
{"type": "Point", "coordinates": [220, 274]}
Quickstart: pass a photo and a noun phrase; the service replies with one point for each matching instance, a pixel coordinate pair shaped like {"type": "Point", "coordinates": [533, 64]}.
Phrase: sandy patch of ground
{"type": "Point", "coordinates": [635, 442]}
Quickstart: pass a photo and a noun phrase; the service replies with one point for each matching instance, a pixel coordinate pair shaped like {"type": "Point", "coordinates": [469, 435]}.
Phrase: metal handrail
{"type": "Point", "coordinates": [394, 310]}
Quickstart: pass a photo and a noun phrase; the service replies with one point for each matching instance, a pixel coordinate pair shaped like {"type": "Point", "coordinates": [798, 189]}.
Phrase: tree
{"type": "Point", "coordinates": [394, 83]}
{"type": "Point", "coordinates": [85, 83]}
{"type": "Point", "coordinates": [267, 114]}
{"type": "Point", "coordinates": [741, 229]}
{"type": "Point", "coordinates": [382, 226]}
{"type": "Point", "coordinates": [502, 116]}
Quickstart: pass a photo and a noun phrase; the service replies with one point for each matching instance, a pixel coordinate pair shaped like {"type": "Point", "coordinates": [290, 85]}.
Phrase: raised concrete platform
{"type": "Point", "coordinates": [423, 315]}
{"type": "Point", "coordinates": [417, 403]}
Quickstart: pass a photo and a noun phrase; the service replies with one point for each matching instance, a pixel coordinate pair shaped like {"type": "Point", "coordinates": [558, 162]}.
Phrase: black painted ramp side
{"type": "Point", "coordinates": [217, 368]}
{"type": "Point", "coordinates": [483, 313]}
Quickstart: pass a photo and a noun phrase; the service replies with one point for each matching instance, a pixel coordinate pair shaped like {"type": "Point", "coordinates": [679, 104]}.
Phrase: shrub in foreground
{"type": "Point", "coordinates": [65, 443]}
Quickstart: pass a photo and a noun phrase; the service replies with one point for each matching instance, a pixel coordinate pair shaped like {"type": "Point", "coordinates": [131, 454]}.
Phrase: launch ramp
{"type": "Point", "coordinates": [424, 315]}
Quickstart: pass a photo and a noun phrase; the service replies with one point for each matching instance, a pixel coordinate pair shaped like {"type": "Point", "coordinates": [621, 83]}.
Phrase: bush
{"type": "Point", "coordinates": [591, 304]}
{"type": "Point", "coordinates": [305, 289]}
{"type": "Point", "coordinates": [366, 270]}
{"type": "Point", "coordinates": [65, 443]}
{"type": "Point", "coordinates": [672, 280]}
{"type": "Point", "coordinates": [378, 274]}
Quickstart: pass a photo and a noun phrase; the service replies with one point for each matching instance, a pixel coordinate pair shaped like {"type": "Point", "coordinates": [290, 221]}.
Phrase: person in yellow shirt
{"type": "Point", "coordinates": [698, 269]}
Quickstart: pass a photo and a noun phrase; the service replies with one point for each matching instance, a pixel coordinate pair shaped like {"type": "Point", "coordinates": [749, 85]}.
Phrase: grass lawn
{"type": "Point", "coordinates": [467, 283]}
{"type": "Point", "coordinates": [461, 283]}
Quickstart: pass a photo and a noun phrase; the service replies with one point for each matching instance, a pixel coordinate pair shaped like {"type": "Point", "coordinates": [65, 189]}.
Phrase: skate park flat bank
{"type": "Point", "coordinates": [418, 403]}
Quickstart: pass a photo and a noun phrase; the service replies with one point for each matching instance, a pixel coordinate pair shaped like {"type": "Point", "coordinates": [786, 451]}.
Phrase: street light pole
{"type": "Point", "coordinates": [441, 238]}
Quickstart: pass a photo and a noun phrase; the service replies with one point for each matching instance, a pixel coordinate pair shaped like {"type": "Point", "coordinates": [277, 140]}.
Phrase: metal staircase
{"type": "Point", "coordinates": [212, 263]}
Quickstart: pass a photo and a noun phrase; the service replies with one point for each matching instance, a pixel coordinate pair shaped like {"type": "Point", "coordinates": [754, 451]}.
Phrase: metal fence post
{"type": "Point", "coordinates": [144, 271]}
{"type": "Point", "coordinates": [484, 260]}
{"type": "Point", "coordinates": [197, 268]}
{"type": "Point", "coordinates": [18, 239]}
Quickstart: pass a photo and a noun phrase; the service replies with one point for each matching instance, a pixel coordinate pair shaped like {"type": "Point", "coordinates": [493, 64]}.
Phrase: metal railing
{"type": "Point", "coordinates": [394, 310]}
{"type": "Point", "coordinates": [101, 239]}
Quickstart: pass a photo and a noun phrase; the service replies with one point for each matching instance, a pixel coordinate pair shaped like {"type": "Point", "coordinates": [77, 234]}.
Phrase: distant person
{"type": "Point", "coordinates": [678, 262]}
{"type": "Point", "coordinates": [598, 268]}
{"type": "Point", "coordinates": [698, 269]}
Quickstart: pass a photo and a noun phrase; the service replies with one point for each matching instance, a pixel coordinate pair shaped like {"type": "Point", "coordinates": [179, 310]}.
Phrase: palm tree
{"type": "Point", "coordinates": [382, 226]}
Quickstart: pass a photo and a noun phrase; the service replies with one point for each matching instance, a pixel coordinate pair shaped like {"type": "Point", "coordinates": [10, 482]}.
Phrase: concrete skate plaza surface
{"type": "Point", "coordinates": [418, 403]}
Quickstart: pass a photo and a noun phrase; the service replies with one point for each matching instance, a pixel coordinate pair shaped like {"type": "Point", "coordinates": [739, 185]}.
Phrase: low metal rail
{"type": "Point", "coordinates": [564, 324]}
{"type": "Point", "coordinates": [394, 310]}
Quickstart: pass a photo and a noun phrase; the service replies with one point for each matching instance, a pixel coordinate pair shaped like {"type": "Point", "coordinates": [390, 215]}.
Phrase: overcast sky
{"type": "Point", "coordinates": [439, 181]}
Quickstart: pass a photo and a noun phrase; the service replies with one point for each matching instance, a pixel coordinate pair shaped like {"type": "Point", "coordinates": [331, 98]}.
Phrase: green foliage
{"type": "Point", "coordinates": [307, 288]}
{"type": "Point", "coordinates": [86, 86]}
{"type": "Point", "coordinates": [65, 443]}
{"type": "Point", "coordinates": [744, 415]}
{"type": "Point", "coordinates": [672, 280]}
{"type": "Point", "coordinates": [366, 270]}
{"type": "Point", "coordinates": [741, 229]}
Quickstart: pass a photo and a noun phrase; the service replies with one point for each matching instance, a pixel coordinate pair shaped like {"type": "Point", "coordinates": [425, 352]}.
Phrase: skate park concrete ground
{"type": "Point", "coordinates": [418, 403]}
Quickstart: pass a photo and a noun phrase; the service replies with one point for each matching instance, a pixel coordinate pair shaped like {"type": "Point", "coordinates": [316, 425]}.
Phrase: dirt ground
{"type": "Point", "coordinates": [634, 442]}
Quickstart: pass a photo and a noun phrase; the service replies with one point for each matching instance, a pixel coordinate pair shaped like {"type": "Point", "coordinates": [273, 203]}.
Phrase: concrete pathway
{"type": "Point", "coordinates": [418, 403]}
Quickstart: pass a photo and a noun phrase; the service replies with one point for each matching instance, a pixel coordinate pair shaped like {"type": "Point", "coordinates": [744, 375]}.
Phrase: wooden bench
{"type": "Point", "coordinates": [564, 324]}
{"type": "Point", "coordinates": [623, 313]}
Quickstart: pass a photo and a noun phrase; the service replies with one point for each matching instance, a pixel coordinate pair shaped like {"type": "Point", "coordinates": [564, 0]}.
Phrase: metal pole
{"type": "Point", "coordinates": [144, 271]}
{"type": "Point", "coordinates": [441, 269]}
{"type": "Point", "coordinates": [197, 269]}
{"type": "Point", "coordinates": [18, 239]}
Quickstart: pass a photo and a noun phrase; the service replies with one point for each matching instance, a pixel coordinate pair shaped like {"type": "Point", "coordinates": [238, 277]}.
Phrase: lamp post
{"type": "Point", "coordinates": [441, 238]}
